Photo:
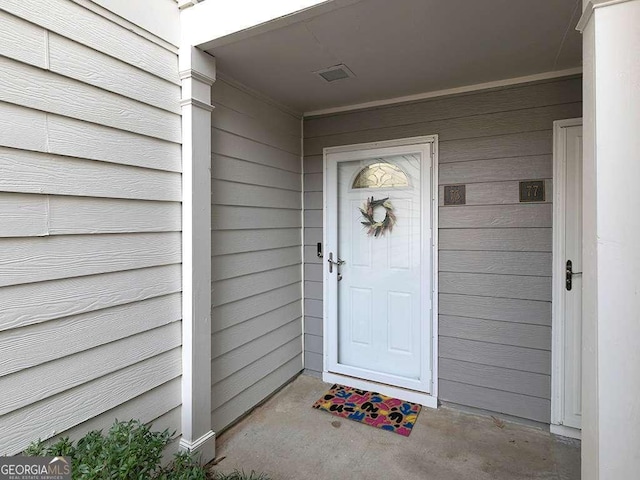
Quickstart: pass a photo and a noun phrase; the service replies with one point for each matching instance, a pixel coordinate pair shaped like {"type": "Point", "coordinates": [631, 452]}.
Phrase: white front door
{"type": "Point", "coordinates": [568, 275]}
{"type": "Point", "coordinates": [379, 299]}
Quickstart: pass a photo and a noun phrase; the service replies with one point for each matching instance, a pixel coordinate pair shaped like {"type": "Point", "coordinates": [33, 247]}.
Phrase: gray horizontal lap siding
{"type": "Point", "coordinates": [495, 253]}
{"type": "Point", "coordinates": [256, 247]}
{"type": "Point", "coordinates": [90, 209]}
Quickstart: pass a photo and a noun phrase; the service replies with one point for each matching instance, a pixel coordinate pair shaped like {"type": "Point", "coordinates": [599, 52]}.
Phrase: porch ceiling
{"type": "Point", "coordinates": [404, 47]}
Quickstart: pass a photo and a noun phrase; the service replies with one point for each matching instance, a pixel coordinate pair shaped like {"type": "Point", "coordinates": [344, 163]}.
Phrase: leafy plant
{"type": "Point", "coordinates": [129, 451]}
{"type": "Point", "coordinates": [184, 467]}
{"type": "Point", "coordinates": [238, 475]}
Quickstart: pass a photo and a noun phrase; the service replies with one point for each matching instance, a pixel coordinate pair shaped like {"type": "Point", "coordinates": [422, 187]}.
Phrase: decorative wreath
{"type": "Point", "coordinates": [378, 228]}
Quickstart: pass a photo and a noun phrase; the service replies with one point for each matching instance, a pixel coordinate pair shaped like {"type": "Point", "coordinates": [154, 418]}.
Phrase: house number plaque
{"type": "Point", "coordinates": [455, 195]}
{"type": "Point", "coordinates": [532, 191]}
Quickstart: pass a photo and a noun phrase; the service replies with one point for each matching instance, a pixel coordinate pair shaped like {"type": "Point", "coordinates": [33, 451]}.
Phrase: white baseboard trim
{"type": "Point", "coordinates": [565, 431]}
{"type": "Point", "coordinates": [204, 448]}
{"type": "Point", "coordinates": [423, 399]}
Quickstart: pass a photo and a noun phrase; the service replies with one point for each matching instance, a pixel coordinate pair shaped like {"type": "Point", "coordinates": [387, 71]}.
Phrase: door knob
{"type": "Point", "coordinates": [569, 273]}
{"type": "Point", "coordinates": [332, 263]}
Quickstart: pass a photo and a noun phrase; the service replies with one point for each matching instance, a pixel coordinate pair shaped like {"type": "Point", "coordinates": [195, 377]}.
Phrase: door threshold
{"type": "Point", "coordinates": [565, 431]}
{"type": "Point", "coordinates": [421, 398]}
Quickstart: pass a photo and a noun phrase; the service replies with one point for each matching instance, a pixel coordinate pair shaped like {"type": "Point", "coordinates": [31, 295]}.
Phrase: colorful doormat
{"type": "Point", "coordinates": [371, 408]}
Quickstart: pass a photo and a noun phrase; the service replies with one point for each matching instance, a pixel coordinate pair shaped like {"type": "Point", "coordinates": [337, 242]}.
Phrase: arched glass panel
{"type": "Point", "coordinates": [380, 175]}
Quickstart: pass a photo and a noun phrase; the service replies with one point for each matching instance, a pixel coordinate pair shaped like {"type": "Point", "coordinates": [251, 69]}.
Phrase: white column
{"type": "Point", "coordinates": [611, 264]}
{"type": "Point", "coordinates": [197, 71]}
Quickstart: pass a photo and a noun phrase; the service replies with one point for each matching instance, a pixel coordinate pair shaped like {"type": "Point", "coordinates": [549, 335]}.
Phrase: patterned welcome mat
{"type": "Point", "coordinates": [371, 408]}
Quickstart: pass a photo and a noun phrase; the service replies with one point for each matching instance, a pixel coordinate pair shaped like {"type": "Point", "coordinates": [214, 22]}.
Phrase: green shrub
{"type": "Point", "coordinates": [241, 476]}
{"type": "Point", "coordinates": [183, 467]}
{"type": "Point", "coordinates": [129, 451]}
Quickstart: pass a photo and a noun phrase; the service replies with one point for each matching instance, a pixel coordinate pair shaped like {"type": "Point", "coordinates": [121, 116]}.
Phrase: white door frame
{"type": "Point", "coordinates": [558, 279]}
{"type": "Point", "coordinates": [426, 399]}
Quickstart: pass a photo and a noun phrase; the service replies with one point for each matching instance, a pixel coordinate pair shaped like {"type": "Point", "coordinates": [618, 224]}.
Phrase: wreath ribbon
{"type": "Point", "coordinates": [378, 228]}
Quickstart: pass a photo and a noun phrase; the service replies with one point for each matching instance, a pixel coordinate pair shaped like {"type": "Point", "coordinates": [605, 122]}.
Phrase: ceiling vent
{"type": "Point", "coordinates": [335, 73]}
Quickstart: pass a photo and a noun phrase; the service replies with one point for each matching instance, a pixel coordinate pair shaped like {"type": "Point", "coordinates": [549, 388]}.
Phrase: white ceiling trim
{"type": "Point", "coordinates": [449, 91]}
{"type": "Point", "coordinates": [215, 23]}
{"type": "Point", "coordinates": [590, 7]}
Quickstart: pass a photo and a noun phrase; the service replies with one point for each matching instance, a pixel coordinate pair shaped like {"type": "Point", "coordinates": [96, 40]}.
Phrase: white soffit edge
{"type": "Point", "coordinates": [589, 8]}
{"type": "Point", "coordinates": [213, 23]}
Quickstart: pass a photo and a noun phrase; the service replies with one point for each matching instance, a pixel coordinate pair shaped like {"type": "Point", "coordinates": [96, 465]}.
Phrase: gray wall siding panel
{"type": "Point", "coordinates": [257, 251]}
{"type": "Point", "coordinates": [504, 333]}
{"type": "Point", "coordinates": [532, 408]}
{"type": "Point", "coordinates": [496, 216]}
{"type": "Point", "coordinates": [509, 145]}
{"type": "Point", "coordinates": [500, 169]}
{"type": "Point", "coordinates": [313, 343]}
{"type": "Point", "coordinates": [496, 354]}
{"type": "Point", "coordinates": [313, 164]}
{"type": "Point", "coordinates": [507, 263]}
{"type": "Point", "coordinates": [492, 308]}
{"type": "Point", "coordinates": [246, 263]}
{"type": "Point", "coordinates": [508, 122]}
{"type": "Point", "coordinates": [313, 362]}
{"type": "Point", "coordinates": [497, 239]}
{"type": "Point", "coordinates": [499, 100]}
{"type": "Point", "coordinates": [90, 201]}
{"type": "Point", "coordinates": [312, 236]}
{"type": "Point", "coordinates": [245, 332]}
{"type": "Point", "coordinates": [495, 253]}
{"type": "Point", "coordinates": [506, 379]}
{"type": "Point", "coordinates": [226, 242]}
{"type": "Point", "coordinates": [241, 148]}
{"type": "Point", "coordinates": [523, 287]}
{"type": "Point", "coordinates": [313, 290]}
{"type": "Point", "coordinates": [265, 383]}
{"type": "Point", "coordinates": [249, 308]}
{"type": "Point", "coordinates": [313, 325]}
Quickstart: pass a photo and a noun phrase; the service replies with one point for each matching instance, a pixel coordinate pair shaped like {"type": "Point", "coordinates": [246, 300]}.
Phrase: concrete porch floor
{"type": "Point", "coordinates": [288, 440]}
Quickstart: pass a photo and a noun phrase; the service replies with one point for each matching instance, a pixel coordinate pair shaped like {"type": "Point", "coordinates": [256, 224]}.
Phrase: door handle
{"type": "Point", "coordinates": [569, 273]}
{"type": "Point", "coordinates": [332, 263]}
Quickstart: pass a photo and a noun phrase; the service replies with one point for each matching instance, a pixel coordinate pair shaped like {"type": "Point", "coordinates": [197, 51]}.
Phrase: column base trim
{"type": "Point", "coordinates": [204, 448]}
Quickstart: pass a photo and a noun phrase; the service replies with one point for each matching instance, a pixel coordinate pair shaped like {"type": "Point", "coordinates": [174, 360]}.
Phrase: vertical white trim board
{"type": "Point", "coordinates": [197, 72]}
{"type": "Point", "coordinates": [558, 279]}
{"type": "Point", "coordinates": [302, 191]}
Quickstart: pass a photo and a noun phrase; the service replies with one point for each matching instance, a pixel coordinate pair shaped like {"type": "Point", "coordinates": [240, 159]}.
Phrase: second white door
{"type": "Point", "coordinates": [567, 324]}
